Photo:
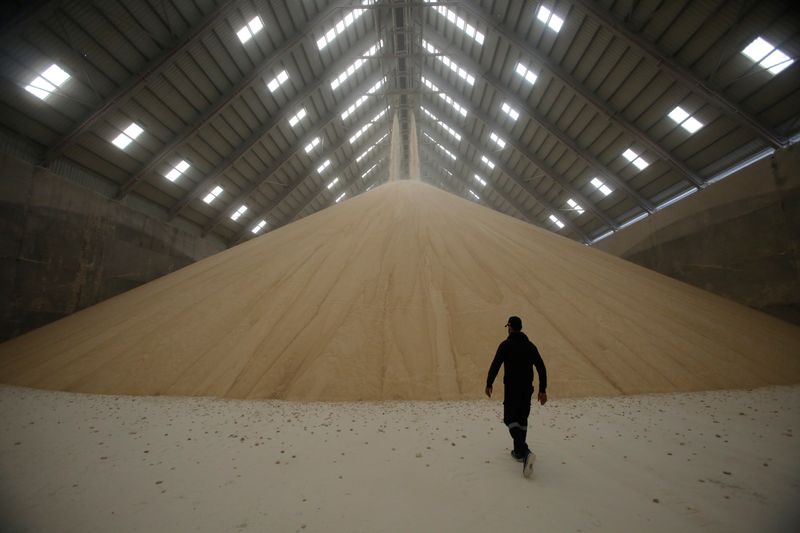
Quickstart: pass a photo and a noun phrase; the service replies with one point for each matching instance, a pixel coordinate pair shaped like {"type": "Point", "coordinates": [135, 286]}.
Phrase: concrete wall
{"type": "Point", "coordinates": [64, 247]}
{"type": "Point", "coordinates": [739, 238]}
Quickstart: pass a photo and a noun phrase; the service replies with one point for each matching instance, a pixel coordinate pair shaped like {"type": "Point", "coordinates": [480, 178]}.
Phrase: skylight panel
{"type": "Point", "coordinates": [323, 166]}
{"type": "Point", "coordinates": [239, 212]}
{"type": "Point", "coordinates": [277, 81]}
{"type": "Point", "coordinates": [767, 56]}
{"type": "Point", "coordinates": [349, 111]}
{"type": "Point", "coordinates": [258, 227]}
{"type": "Point", "coordinates": [433, 87]}
{"type": "Point", "coordinates": [527, 74]}
{"type": "Point", "coordinates": [488, 162]}
{"type": "Point", "coordinates": [250, 29]}
{"type": "Point", "coordinates": [554, 219]}
{"type": "Point", "coordinates": [341, 196]}
{"type": "Point", "coordinates": [758, 49]}
{"type": "Point", "coordinates": [357, 64]}
{"type": "Point", "coordinates": [363, 98]}
{"type": "Point", "coordinates": [448, 172]}
{"type": "Point", "coordinates": [341, 25]}
{"type": "Point", "coordinates": [634, 158]}
{"type": "Point", "coordinates": [575, 206]}
{"type": "Point", "coordinates": [600, 186]}
{"type": "Point", "coordinates": [367, 126]}
{"type": "Point", "coordinates": [127, 136]}
{"type": "Point", "coordinates": [372, 147]}
{"type": "Point", "coordinates": [333, 183]}
{"type": "Point", "coordinates": [553, 21]}
{"type": "Point", "coordinates": [370, 169]}
{"type": "Point", "coordinates": [431, 115]}
{"type": "Point", "coordinates": [480, 180]}
{"type": "Point", "coordinates": [452, 65]}
{"type": "Point", "coordinates": [474, 195]}
{"type": "Point", "coordinates": [297, 117]}
{"type": "Point", "coordinates": [497, 140]}
{"type": "Point", "coordinates": [510, 111]}
{"type": "Point", "coordinates": [444, 126]}
{"type": "Point", "coordinates": [776, 61]}
{"type": "Point", "coordinates": [682, 118]}
{"type": "Point", "coordinates": [678, 114]}
{"type": "Point", "coordinates": [51, 79]}
{"type": "Point", "coordinates": [442, 148]}
{"type": "Point", "coordinates": [177, 171]}
{"type": "Point", "coordinates": [313, 144]}
{"type": "Point", "coordinates": [459, 22]}
{"type": "Point", "coordinates": [215, 192]}
{"type": "Point", "coordinates": [692, 125]}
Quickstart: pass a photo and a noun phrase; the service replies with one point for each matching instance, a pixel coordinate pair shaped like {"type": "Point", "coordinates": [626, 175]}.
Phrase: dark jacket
{"type": "Point", "coordinates": [518, 355]}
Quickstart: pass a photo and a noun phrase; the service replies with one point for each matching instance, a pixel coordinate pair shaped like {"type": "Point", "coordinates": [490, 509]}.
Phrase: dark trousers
{"type": "Point", "coordinates": [516, 408]}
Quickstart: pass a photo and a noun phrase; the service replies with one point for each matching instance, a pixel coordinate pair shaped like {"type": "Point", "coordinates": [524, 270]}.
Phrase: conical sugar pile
{"type": "Point", "coordinates": [403, 292]}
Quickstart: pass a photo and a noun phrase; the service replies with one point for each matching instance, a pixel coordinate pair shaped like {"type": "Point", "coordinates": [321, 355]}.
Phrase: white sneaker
{"type": "Point", "coordinates": [527, 468]}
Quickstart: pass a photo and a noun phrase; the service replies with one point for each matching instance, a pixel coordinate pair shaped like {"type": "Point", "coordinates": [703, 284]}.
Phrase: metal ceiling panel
{"type": "Point", "coordinates": [605, 83]}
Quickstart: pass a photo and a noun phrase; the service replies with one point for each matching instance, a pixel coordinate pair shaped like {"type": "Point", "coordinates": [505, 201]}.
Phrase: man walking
{"type": "Point", "coordinates": [518, 355]}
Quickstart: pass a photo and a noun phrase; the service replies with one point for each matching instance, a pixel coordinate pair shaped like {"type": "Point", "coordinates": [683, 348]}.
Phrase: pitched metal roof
{"type": "Point", "coordinates": [606, 76]}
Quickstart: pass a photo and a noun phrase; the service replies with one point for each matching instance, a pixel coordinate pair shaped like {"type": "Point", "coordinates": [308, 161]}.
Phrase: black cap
{"type": "Point", "coordinates": [515, 322]}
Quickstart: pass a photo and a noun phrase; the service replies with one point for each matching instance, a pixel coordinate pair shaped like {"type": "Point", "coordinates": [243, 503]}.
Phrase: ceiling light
{"type": "Point", "coordinates": [310, 146]}
{"type": "Point", "coordinates": [444, 96]}
{"type": "Point", "coordinates": [277, 81]}
{"type": "Point", "coordinates": [258, 227]}
{"type": "Point", "coordinates": [216, 191]}
{"type": "Point", "coordinates": [460, 72]}
{"type": "Point", "coordinates": [44, 85]}
{"type": "Point", "coordinates": [600, 186]}
{"type": "Point", "coordinates": [127, 136]}
{"type": "Point", "coordinates": [523, 71]}
{"type": "Point", "coordinates": [341, 25]}
{"type": "Point", "coordinates": [177, 171]}
{"type": "Point", "coordinates": [510, 111]}
{"type": "Point", "coordinates": [357, 64]}
{"type": "Point", "coordinates": [767, 56]}
{"type": "Point", "coordinates": [634, 158]}
{"type": "Point", "coordinates": [459, 22]}
{"type": "Point", "coordinates": [247, 31]}
{"type": "Point", "coordinates": [575, 206]}
{"type": "Point", "coordinates": [297, 117]}
{"type": "Point", "coordinates": [239, 212]}
{"type": "Point", "coordinates": [554, 219]}
{"type": "Point", "coordinates": [682, 118]}
{"type": "Point", "coordinates": [553, 21]}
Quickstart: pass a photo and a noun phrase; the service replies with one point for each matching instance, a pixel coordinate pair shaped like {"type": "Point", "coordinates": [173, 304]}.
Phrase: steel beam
{"type": "Point", "coordinates": [287, 155]}
{"type": "Point", "coordinates": [187, 132]}
{"type": "Point", "coordinates": [716, 98]}
{"type": "Point", "coordinates": [330, 154]}
{"type": "Point", "coordinates": [474, 8]}
{"type": "Point", "coordinates": [550, 172]}
{"type": "Point", "coordinates": [497, 190]}
{"type": "Point", "coordinates": [505, 170]}
{"type": "Point", "coordinates": [126, 91]}
{"type": "Point", "coordinates": [352, 182]}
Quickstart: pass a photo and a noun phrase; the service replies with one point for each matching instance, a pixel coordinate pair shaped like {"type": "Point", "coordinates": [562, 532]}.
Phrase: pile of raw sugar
{"type": "Point", "coordinates": [402, 293]}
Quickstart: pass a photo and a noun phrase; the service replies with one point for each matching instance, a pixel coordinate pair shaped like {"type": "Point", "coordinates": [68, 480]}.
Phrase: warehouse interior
{"type": "Point", "coordinates": [258, 255]}
{"type": "Point", "coordinates": [651, 130]}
